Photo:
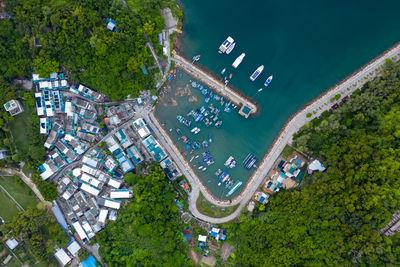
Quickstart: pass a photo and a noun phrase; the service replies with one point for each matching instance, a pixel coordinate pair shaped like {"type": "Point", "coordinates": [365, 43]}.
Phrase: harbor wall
{"type": "Point", "coordinates": [208, 79]}
{"type": "Point", "coordinates": [295, 121]}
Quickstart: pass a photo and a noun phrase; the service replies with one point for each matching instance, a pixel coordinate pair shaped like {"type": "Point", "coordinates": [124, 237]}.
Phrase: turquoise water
{"type": "Point", "coordinates": [307, 45]}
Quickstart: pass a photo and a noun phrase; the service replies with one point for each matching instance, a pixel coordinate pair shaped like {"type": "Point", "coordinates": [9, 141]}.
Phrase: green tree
{"type": "Point", "coordinates": [49, 191]}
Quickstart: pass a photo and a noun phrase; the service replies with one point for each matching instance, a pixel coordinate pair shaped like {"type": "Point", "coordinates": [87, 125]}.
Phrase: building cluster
{"type": "Point", "coordinates": [68, 119]}
{"type": "Point", "coordinates": [285, 174]}
{"type": "Point", "coordinates": [93, 192]}
{"type": "Point", "coordinates": [154, 148]}
{"type": "Point", "coordinates": [393, 227]}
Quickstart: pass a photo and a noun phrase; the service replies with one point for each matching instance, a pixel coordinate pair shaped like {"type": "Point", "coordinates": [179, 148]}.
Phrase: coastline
{"type": "Point", "coordinates": [287, 131]}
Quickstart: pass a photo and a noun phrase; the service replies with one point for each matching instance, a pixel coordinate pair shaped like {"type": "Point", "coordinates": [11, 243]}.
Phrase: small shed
{"type": "Point", "coordinates": [202, 238]}
{"type": "Point", "coordinates": [62, 257]}
{"type": "Point", "coordinates": [12, 243]}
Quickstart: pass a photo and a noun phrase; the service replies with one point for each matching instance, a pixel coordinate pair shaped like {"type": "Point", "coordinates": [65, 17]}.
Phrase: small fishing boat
{"type": "Point", "coordinates": [259, 90]}
{"type": "Point", "coordinates": [268, 81]}
{"type": "Point", "coordinates": [223, 71]}
{"type": "Point", "coordinates": [178, 131]}
{"type": "Point", "coordinates": [230, 76]}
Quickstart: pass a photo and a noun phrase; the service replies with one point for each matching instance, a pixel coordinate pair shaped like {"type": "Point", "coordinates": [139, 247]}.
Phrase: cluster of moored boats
{"type": "Point", "coordinates": [227, 47]}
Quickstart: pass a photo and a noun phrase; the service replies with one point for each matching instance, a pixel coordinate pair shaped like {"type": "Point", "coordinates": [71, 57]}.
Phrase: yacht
{"type": "Point", "coordinates": [238, 60]}
{"type": "Point", "coordinates": [256, 73]}
{"type": "Point", "coordinates": [225, 45]}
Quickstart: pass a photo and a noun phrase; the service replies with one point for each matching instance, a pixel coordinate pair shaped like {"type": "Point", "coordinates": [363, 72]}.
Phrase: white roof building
{"type": "Point", "coordinates": [123, 193]}
{"type": "Point", "coordinates": [316, 165]}
{"type": "Point", "coordinates": [90, 180]}
{"type": "Point", "coordinates": [79, 230]}
{"type": "Point", "coordinates": [103, 216]}
{"type": "Point", "coordinates": [74, 248]}
{"type": "Point", "coordinates": [68, 109]}
{"type": "Point", "coordinates": [62, 257]}
{"type": "Point", "coordinates": [44, 129]}
{"type": "Point", "coordinates": [88, 229]}
{"type": "Point", "coordinates": [203, 238]}
{"type": "Point", "coordinates": [114, 183]}
{"type": "Point", "coordinates": [47, 173]}
{"type": "Point", "coordinates": [112, 204]}
{"type": "Point", "coordinates": [90, 189]}
{"type": "Point", "coordinates": [88, 169]}
{"type": "Point", "coordinates": [12, 243]}
{"type": "Point", "coordinates": [89, 161]}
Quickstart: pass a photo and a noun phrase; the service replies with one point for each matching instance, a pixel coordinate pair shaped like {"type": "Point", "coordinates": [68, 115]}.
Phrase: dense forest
{"type": "Point", "coordinates": [336, 220]}
{"type": "Point", "coordinates": [40, 233]}
{"type": "Point", "coordinates": [46, 35]}
{"type": "Point", "coordinates": [147, 232]}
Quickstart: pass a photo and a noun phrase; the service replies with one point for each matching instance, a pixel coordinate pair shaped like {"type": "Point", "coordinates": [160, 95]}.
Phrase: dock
{"type": "Point", "coordinates": [247, 107]}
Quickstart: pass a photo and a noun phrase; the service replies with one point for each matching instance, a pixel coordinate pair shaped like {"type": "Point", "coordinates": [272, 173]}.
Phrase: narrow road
{"type": "Point", "coordinates": [149, 45]}
{"type": "Point", "coordinates": [28, 182]}
{"type": "Point", "coordinates": [319, 105]}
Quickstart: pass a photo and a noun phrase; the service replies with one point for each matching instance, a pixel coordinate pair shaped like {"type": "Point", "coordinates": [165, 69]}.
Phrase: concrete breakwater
{"type": "Point", "coordinates": [247, 106]}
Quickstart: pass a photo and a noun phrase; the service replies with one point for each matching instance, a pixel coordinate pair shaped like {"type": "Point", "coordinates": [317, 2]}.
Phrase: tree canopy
{"type": "Point", "coordinates": [336, 220]}
{"type": "Point", "coordinates": [147, 232]}
{"type": "Point", "coordinates": [45, 36]}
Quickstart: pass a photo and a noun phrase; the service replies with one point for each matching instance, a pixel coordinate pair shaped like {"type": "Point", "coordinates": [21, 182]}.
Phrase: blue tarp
{"type": "Point", "coordinates": [60, 218]}
{"type": "Point", "coordinates": [90, 262]}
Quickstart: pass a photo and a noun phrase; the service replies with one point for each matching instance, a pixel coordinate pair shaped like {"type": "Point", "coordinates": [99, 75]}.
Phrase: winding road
{"type": "Point", "coordinates": [315, 108]}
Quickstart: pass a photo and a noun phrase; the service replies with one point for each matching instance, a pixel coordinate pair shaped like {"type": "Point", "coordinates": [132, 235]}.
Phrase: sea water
{"type": "Point", "coordinates": [307, 45]}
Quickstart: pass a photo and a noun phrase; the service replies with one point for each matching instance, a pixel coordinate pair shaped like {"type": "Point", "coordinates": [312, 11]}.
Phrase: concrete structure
{"type": "Point", "coordinates": [13, 107]}
{"type": "Point", "coordinates": [62, 257]}
{"type": "Point", "coordinates": [213, 83]}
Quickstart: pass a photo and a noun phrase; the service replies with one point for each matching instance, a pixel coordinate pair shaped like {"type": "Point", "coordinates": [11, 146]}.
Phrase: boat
{"type": "Point", "coordinates": [268, 81]}
{"type": "Point", "coordinates": [230, 162]}
{"type": "Point", "coordinates": [256, 73]}
{"type": "Point", "coordinates": [204, 169]}
{"type": "Point", "coordinates": [210, 138]}
{"type": "Point", "coordinates": [249, 161]}
{"type": "Point", "coordinates": [230, 48]}
{"type": "Point", "coordinates": [218, 172]}
{"type": "Point", "coordinates": [191, 158]}
{"type": "Point", "coordinates": [230, 76]}
{"type": "Point", "coordinates": [259, 90]}
{"type": "Point", "coordinates": [225, 45]}
{"type": "Point", "coordinates": [223, 71]}
{"type": "Point", "coordinates": [238, 60]}
{"type": "Point", "coordinates": [178, 131]}
{"type": "Point", "coordinates": [218, 124]}
{"type": "Point", "coordinates": [236, 186]}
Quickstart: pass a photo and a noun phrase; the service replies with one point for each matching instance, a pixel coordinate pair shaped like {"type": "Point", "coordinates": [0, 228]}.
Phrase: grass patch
{"type": "Point", "coordinates": [21, 121]}
{"type": "Point", "coordinates": [8, 208]}
{"type": "Point", "coordinates": [287, 151]}
{"type": "Point", "coordinates": [211, 210]}
{"type": "Point", "coordinates": [19, 191]}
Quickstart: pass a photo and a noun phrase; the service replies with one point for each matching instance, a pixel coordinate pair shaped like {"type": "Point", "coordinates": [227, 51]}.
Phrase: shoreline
{"type": "Point", "coordinates": [286, 132]}
{"type": "Point", "coordinates": [212, 82]}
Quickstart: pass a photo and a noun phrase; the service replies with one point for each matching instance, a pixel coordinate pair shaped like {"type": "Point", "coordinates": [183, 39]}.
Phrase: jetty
{"type": "Point", "coordinates": [247, 107]}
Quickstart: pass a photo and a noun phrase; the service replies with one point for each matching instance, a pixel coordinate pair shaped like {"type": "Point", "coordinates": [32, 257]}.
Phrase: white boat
{"type": "Point", "coordinates": [259, 90]}
{"type": "Point", "coordinates": [256, 73]}
{"type": "Point", "coordinates": [268, 81]}
{"type": "Point", "coordinates": [223, 71]}
{"type": "Point", "coordinates": [225, 45]}
{"type": "Point", "coordinates": [236, 186]}
{"type": "Point", "coordinates": [204, 169]}
{"type": "Point", "coordinates": [238, 60]}
{"type": "Point", "coordinates": [230, 48]}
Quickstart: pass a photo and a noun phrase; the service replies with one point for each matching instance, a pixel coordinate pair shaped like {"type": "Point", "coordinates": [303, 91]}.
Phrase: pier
{"type": "Point", "coordinates": [300, 118]}
{"type": "Point", "coordinates": [247, 107]}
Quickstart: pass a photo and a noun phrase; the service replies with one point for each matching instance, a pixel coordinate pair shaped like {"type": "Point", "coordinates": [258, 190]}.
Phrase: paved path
{"type": "Point", "coordinates": [213, 83]}
{"type": "Point", "coordinates": [28, 182]}
{"type": "Point", "coordinates": [320, 104]}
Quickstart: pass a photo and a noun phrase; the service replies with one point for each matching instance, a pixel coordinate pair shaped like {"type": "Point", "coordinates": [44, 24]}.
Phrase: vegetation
{"type": "Point", "coordinates": [39, 232]}
{"type": "Point", "coordinates": [147, 232]}
{"type": "Point", "coordinates": [211, 210]}
{"type": "Point", "coordinates": [70, 35]}
{"type": "Point", "coordinates": [336, 221]}
{"type": "Point", "coordinates": [19, 191]}
{"type": "Point", "coordinates": [49, 191]}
